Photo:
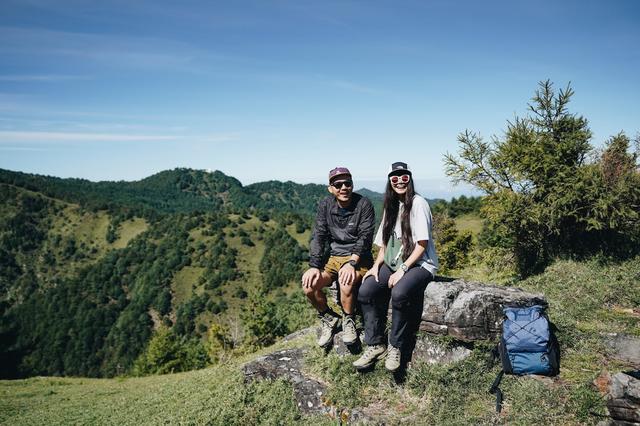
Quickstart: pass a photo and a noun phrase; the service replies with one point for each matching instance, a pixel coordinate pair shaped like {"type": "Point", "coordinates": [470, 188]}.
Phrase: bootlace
{"type": "Point", "coordinates": [394, 354]}
{"type": "Point", "coordinates": [369, 352]}
{"type": "Point", "coordinates": [327, 321]}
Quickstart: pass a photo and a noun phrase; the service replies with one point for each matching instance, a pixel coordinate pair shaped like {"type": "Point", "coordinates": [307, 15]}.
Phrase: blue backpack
{"type": "Point", "coordinates": [528, 345]}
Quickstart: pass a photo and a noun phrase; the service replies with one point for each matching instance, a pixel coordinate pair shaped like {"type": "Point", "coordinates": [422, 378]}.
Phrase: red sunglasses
{"type": "Point", "coordinates": [398, 179]}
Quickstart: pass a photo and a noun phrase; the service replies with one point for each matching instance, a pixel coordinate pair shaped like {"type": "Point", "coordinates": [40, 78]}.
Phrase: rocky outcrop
{"type": "Point", "coordinates": [466, 311]}
{"type": "Point", "coordinates": [624, 398]}
{"type": "Point", "coordinates": [470, 311]}
{"type": "Point", "coordinates": [287, 364]}
{"type": "Point", "coordinates": [310, 393]}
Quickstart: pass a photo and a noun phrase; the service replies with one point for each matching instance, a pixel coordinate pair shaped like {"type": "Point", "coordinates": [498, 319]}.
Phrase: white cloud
{"type": "Point", "coordinates": [19, 136]}
{"type": "Point", "coordinates": [104, 49]}
{"type": "Point", "coordinates": [44, 78]}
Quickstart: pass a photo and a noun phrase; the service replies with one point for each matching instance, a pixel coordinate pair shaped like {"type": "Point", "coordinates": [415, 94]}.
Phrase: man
{"type": "Point", "coordinates": [345, 222]}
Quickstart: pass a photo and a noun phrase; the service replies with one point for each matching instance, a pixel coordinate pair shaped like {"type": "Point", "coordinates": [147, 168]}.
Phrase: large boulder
{"type": "Point", "coordinates": [470, 311]}
{"type": "Point", "coordinates": [467, 310]}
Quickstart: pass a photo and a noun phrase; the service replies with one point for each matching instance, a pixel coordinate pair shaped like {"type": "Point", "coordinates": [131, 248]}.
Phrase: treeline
{"type": "Point", "coordinates": [457, 206]}
{"type": "Point", "coordinates": [173, 191]}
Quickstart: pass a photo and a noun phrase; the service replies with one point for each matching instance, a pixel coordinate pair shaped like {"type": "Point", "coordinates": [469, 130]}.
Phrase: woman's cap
{"type": "Point", "coordinates": [338, 171]}
{"type": "Point", "coordinates": [399, 168]}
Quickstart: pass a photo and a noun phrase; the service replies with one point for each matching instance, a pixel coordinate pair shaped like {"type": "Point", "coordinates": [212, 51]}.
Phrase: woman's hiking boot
{"type": "Point", "coordinates": [349, 333]}
{"type": "Point", "coordinates": [392, 363]}
{"type": "Point", "coordinates": [328, 326]}
{"type": "Point", "coordinates": [370, 356]}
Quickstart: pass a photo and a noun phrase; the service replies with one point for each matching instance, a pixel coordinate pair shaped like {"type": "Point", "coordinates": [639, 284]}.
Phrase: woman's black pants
{"type": "Point", "coordinates": [407, 299]}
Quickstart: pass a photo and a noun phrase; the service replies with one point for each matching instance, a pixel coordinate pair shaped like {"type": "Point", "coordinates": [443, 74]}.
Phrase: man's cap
{"type": "Point", "coordinates": [399, 168]}
{"type": "Point", "coordinates": [338, 171]}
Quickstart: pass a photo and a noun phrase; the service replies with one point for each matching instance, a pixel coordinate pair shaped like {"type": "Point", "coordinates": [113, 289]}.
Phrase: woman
{"type": "Point", "coordinates": [406, 262]}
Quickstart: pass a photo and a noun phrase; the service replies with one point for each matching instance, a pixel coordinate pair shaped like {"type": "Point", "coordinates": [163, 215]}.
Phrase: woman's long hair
{"type": "Point", "coordinates": [391, 208]}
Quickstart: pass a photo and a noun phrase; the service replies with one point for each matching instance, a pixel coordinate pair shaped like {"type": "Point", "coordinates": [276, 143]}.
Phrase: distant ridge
{"type": "Point", "coordinates": [173, 191]}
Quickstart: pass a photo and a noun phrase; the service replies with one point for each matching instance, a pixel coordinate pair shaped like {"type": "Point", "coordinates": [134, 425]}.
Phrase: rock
{"type": "Point", "coordinates": [624, 398]}
{"type": "Point", "coordinates": [624, 348]}
{"type": "Point", "coordinates": [470, 311]}
{"type": "Point", "coordinates": [342, 349]}
{"type": "Point", "coordinates": [428, 350]}
{"type": "Point", "coordinates": [287, 364]}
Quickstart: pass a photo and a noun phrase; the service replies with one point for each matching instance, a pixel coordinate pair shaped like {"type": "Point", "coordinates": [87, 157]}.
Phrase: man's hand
{"type": "Point", "coordinates": [347, 274]}
{"type": "Point", "coordinates": [373, 272]}
{"type": "Point", "coordinates": [395, 277]}
{"type": "Point", "coordinates": [310, 277]}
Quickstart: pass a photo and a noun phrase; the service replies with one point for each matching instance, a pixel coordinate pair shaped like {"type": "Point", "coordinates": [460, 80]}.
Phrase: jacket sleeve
{"type": "Point", "coordinates": [319, 237]}
{"type": "Point", "coordinates": [367, 224]}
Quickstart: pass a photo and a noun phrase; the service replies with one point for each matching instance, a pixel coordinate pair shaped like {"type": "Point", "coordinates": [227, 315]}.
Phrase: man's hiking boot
{"type": "Point", "coordinates": [392, 363]}
{"type": "Point", "coordinates": [349, 333]}
{"type": "Point", "coordinates": [370, 356]}
{"type": "Point", "coordinates": [329, 324]}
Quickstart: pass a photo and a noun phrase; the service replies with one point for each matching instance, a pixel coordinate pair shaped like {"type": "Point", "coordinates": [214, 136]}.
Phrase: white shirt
{"type": "Point", "coordinates": [421, 230]}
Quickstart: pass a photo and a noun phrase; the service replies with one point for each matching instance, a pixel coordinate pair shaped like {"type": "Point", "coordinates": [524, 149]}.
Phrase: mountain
{"type": "Point", "coordinates": [89, 271]}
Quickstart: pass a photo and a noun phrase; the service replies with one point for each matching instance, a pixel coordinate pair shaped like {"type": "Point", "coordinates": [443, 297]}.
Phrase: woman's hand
{"type": "Point", "coordinates": [395, 278]}
{"type": "Point", "coordinates": [373, 272]}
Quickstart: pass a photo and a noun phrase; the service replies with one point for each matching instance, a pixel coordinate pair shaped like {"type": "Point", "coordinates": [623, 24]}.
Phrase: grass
{"type": "Point", "coordinates": [215, 395]}
{"type": "Point", "coordinates": [469, 222]}
{"type": "Point", "coordinates": [128, 230]}
{"type": "Point", "coordinates": [183, 283]}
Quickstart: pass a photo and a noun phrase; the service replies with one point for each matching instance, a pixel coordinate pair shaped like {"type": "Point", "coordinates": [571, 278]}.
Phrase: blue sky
{"type": "Point", "coordinates": [286, 90]}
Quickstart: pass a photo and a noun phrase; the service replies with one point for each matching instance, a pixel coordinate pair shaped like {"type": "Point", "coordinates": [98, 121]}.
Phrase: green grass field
{"type": "Point", "coordinates": [128, 230]}
{"type": "Point", "coordinates": [469, 222]}
{"type": "Point", "coordinates": [216, 395]}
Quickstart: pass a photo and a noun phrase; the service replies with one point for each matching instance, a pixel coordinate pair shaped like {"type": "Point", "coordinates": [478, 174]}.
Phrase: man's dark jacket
{"type": "Point", "coordinates": [347, 230]}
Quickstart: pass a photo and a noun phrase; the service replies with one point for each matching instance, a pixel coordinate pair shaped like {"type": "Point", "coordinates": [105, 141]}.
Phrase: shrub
{"type": "Point", "coordinates": [168, 353]}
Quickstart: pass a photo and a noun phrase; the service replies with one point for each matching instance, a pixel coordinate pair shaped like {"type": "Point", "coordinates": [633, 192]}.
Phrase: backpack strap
{"type": "Point", "coordinates": [495, 389]}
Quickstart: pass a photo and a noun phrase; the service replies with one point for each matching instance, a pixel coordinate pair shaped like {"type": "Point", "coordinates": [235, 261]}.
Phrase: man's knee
{"type": "Point", "coordinates": [308, 291]}
{"type": "Point", "coordinates": [346, 290]}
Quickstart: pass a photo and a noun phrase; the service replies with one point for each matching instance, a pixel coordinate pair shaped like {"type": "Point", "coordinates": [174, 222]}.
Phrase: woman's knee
{"type": "Point", "coordinates": [399, 297]}
{"type": "Point", "coordinates": [368, 290]}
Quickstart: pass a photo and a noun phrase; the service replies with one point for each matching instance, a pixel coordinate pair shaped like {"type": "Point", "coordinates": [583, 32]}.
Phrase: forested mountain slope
{"type": "Point", "coordinates": [88, 271]}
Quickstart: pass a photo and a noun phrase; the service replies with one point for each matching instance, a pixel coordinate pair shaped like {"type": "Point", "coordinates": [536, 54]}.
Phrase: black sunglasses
{"type": "Point", "coordinates": [341, 183]}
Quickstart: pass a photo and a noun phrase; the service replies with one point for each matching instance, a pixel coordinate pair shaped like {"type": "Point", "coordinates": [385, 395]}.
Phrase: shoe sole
{"type": "Point", "coordinates": [373, 361]}
{"type": "Point", "coordinates": [351, 342]}
{"type": "Point", "coordinates": [394, 370]}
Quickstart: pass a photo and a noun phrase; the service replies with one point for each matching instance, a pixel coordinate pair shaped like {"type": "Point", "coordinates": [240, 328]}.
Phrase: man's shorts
{"type": "Point", "coordinates": [334, 264]}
